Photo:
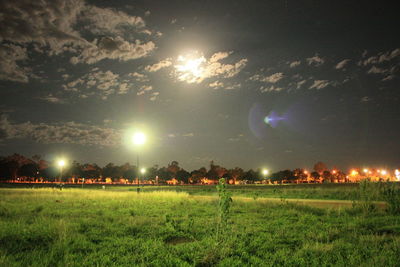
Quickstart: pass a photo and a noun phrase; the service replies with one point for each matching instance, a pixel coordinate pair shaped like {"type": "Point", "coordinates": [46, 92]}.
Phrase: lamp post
{"type": "Point", "coordinates": [138, 139]}
{"type": "Point", "coordinates": [142, 172]}
{"type": "Point", "coordinates": [61, 164]}
{"type": "Point", "coordinates": [265, 173]}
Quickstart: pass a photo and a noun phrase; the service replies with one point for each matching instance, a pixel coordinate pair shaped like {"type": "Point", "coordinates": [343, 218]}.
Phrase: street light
{"type": "Point", "coordinates": [61, 164]}
{"type": "Point", "coordinates": [265, 172]}
{"type": "Point", "coordinates": [139, 139]}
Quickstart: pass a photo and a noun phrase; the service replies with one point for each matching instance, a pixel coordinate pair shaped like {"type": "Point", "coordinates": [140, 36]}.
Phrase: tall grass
{"type": "Point", "coordinates": [74, 227]}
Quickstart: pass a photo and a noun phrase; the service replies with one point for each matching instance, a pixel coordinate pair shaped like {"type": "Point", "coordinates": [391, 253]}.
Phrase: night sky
{"type": "Point", "coordinates": [277, 84]}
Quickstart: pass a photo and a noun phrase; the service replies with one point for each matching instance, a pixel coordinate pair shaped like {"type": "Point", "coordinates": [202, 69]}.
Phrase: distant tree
{"type": "Point", "coordinates": [163, 175]}
{"type": "Point", "coordinates": [300, 174]}
{"type": "Point", "coordinates": [327, 176]}
{"type": "Point", "coordinates": [29, 170]}
{"type": "Point", "coordinates": [315, 175]}
{"type": "Point", "coordinates": [75, 170]}
{"type": "Point", "coordinates": [128, 172]}
{"type": "Point", "coordinates": [320, 167]}
{"type": "Point", "coordinates": [112, 171]}
{"type": "Point", "coordinates": [250, 176]}
{"type": "Point", "coordinates": [13, 163]}
{"type": "Point", "coordinates": [197, 175]}
{"type": "Point", "coordinates": [280, 176]}
{"type": "Point", "coordinates": [91, 171]}
{"type": "Point", "coordinates": [152, 172]}
{"type": "Point", "coordinates": [183, 176]}
{"type": "Point", "coordinates": [173, 168]}
{"type": "Point", "coordinates": [216, 171]}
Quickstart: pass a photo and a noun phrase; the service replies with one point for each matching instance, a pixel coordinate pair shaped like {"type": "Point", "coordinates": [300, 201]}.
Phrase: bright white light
{"type": "Point", "coordinates": [365, 170]}
{"type": "Point", "coordinates": [139, 138]}
{"type": "Point", "coordinates": [383, 172]}
{"type": "Point", "coordinates": [142, 170]}
{"type": "Point", "coordinates": [61, 163]}
{"type": "Point", "coordinates": [265, 172]}
{"type": "Point", "coordinates": [397, 174]}
{"type": "Point", "coordinates": [191, 68]}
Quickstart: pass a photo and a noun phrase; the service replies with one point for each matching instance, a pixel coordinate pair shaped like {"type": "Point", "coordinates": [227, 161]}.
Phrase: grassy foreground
{"type": "Point", "coordinates": [82, 227]}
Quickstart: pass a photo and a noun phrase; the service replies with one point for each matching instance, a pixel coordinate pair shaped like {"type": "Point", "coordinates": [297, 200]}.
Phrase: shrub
{"type": "Point", "coordinates": [391, 194]}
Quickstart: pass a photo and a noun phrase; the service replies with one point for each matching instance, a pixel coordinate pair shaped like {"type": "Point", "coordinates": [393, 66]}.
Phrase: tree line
{"type": "Point", "coordinates": [18, 167]}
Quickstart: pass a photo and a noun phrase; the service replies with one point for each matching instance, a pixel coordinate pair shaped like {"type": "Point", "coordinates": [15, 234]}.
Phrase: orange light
{"type": "Point", "coordinates": [334, 171]}
{"type": "Point", "coordinates": [354, 172]}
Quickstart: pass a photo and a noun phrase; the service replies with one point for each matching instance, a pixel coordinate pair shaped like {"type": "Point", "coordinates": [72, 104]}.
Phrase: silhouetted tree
{"type": "Point", "coordinates": [183, 176]}
{"type": "Point", "coordinates": [315, 176]}
{"type": "Point", "coordinates": [320, 167]}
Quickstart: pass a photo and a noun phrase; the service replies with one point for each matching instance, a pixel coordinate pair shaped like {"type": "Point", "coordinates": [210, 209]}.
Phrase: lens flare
{"type": "Point", "coordinates": [273, 119]}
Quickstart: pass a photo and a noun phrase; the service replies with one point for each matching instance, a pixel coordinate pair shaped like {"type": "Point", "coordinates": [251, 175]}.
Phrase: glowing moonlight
{"type": "Point", "coordinates": [190, 68]}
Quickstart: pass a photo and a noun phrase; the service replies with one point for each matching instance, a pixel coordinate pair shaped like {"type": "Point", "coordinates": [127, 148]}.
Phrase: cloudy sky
{"type": "Point", "coordinates": [278, 84]}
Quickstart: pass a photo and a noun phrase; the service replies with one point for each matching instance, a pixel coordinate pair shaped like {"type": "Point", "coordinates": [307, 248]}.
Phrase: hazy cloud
{"type": "Point", "coordinates": [272, 88]}
{"type": "Point", "coordinates": [319, 84]}
{"type": "Point", "coordinates": [315, 60]}
{"type": "Point", "coordinates": [102, 83]}
{"type": "Point", "coordinates": [60, 133]}
{"type": "Point", "coordinates": [9, 69]}
{"type": "Point", "coordinates": [376, 70]}
{"type": "Point", "coordinates": [51, 26]}
{"type": "Point", "coordinates": [159, 65]}
{"type": "Point", "coordinates": [269, 79]}
{"type": "Point", "coordinates": [342, 64]}
{"type": "Point", "coordinates": [52, 99]}
{"type": "Point", "coordinates": [196, 68]}
{"type": "Point", "coordinates": [295, 63]}
{"type": "Point", "coordinates": [113, 48]}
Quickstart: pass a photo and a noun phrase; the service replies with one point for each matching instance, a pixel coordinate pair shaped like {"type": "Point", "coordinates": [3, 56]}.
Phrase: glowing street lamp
{"type": "Point", "coordinates": [365, 170]}
{"type": "Point", "coordinates": [139, 139]}
{"type": "Point", "coordinates": [383, 172]}
{"type": "Point", "coordinates": [265, 172]}
{"type": "Point", "coordinates": [61, 164]}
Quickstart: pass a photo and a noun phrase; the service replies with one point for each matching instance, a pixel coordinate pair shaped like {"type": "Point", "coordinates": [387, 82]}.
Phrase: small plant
{"type": "Point", "coordinates": [391, 194]}
{"type": "Point", "coordinates": [367, 192]}
{"type": "Point", "coordinates": [224, 206]}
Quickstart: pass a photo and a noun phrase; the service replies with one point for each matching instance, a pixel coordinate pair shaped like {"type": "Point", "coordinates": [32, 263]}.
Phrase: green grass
{"type": "Point", "coordinates": [118, 227]}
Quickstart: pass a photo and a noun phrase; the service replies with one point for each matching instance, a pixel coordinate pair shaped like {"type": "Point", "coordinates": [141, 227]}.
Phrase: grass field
{"type": "Point", "coordinates": [162, 227]}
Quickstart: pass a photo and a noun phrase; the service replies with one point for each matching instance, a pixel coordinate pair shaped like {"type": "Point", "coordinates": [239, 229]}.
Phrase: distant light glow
{"type": "Point", "coordinates": [334, 171]}
{"type": "Point", "coordinates": [383, 172]}
{"type": "Point", "coordinates": [354, 172]}
{"type": "Point", "coordinates": [265, 172]}
{"type": "Point", "coordinates": [139, 138]}
{"type": "Point", "coordinates": [61, 163]}
{"type": "Point", "coordinates": [397, 174]}
{"type": "Point", "coordinates": [142, 170]}
{"type": "Point", "coordinates": [365, 170]}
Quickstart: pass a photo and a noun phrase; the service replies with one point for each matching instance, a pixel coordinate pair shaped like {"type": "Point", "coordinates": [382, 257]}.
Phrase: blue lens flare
{"type": "Point", "coordinates": [273, 119]}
